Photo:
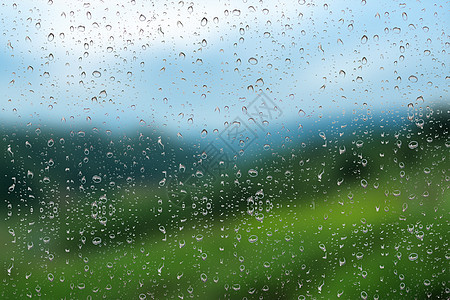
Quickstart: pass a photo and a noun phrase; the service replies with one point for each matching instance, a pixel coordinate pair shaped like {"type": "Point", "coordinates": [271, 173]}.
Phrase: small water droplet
{"type": "Point", "coordinates": [252, 238]}
{"type": "Point", "coordinates": [96, 179]}
{"type": "Point", "coordinates": [413, 256]}
{"type": "Point", "coordinates": [252, 173]}
{"type": "Point", "coordinates": [96, 241]}
{"type": "Point", "coordinates": [252, 61]}
{"type": "Point", "coordinates": [364, 39]}
{"type": "Point", "coordinates": [359, 143]}
{"type": "Point", "coordinates": [413, 145]}
{"type": "Point", "coordinates": [364, 183]}
{"type": "Point", "coordinates": [404, 16]}
{"type": "Point", "coordinates": [413, 78]}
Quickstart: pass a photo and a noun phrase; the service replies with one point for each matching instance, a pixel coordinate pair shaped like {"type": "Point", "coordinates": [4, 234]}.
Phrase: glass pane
{"type": "Point", "coordinates": [238, 149]}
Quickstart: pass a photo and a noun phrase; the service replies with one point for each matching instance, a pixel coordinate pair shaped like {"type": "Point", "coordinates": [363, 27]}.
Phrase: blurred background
{"type": "Point", "coordinates": [237, 150]}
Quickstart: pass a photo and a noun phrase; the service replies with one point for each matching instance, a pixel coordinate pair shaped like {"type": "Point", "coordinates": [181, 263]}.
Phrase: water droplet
{"type": "Point", "coordinates": [364, 39]}
{"type": "Point", "coordinates": [413, 145]}
{"type": "Point", "coordinates": [204, 21]}
{"type": "Point", "coordinates": [252, 173]}
{"type": "Point", "coordinates": [413, 256]}
{"type": "Point", "coordinates": [96, 241]}
{"type": "Point", "coordinates": [96, 74]}
{"type": "Point", "coordinates": [413, 78]}
{"type": "Point", "coordinates": [252, 61]}
{"type": "Point", "coordinates": [96, 179]}
{"type": "Point", "coordinates": [252, 238]}
{"type": "Point", "coordinates": [404, 16]}
{"type": "Point", "coordinates": [364, 295]}
{"type": "Point", "coordinates": [364, 183]}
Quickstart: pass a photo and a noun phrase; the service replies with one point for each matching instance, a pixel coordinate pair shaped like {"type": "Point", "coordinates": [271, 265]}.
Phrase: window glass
{"type": "Point", "coordinates": [224, 149]}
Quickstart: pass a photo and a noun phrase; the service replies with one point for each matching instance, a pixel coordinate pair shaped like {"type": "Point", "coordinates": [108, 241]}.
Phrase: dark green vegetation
{"type": "Point", "coordinates": [354, 208]}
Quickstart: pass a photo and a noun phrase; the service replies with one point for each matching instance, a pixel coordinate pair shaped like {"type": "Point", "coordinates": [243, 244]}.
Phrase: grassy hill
{"type": "Point", "coordinates": [350, 209]}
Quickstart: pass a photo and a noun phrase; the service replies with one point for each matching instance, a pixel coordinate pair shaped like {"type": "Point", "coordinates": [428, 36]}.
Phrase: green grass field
{"type": "Point", "coordinates": [316, 222]}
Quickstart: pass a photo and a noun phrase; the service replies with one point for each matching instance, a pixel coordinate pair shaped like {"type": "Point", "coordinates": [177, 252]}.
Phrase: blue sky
{"type": "Point", "coordinates": [162, 65]}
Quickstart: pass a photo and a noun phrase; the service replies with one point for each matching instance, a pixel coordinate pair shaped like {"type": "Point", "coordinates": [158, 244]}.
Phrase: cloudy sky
{"type": "Point", "coordinates": [189, 66]}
